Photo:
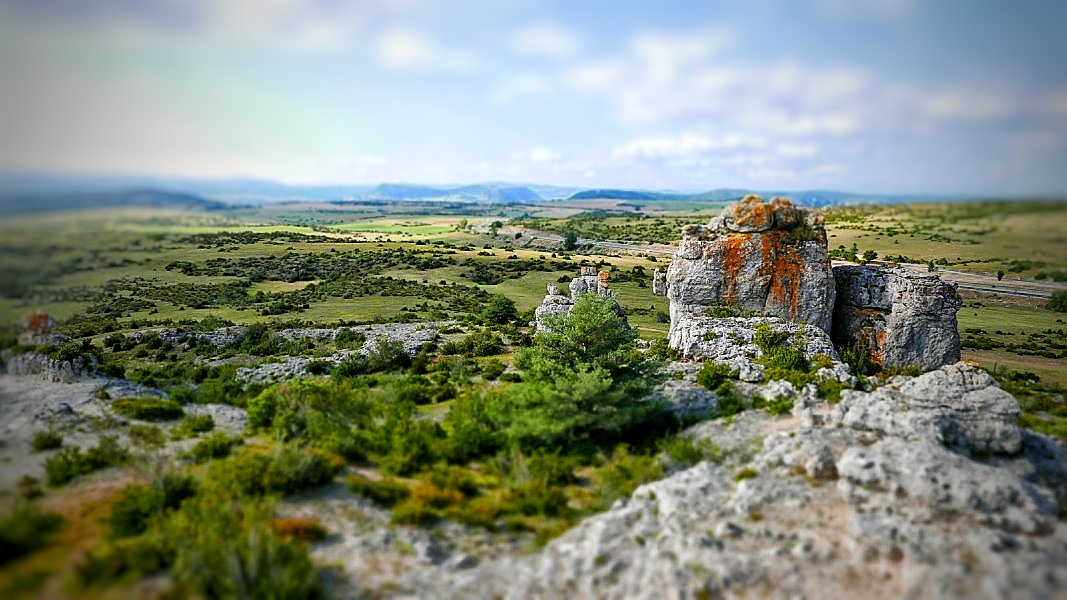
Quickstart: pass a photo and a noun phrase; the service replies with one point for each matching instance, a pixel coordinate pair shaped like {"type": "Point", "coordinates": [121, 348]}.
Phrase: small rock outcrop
{"type": "Point", "coordinates": [959, 405]}
{"type": "Point", "coordinates": [730, 341]}
{"type": "Point", "coordinates": [47, 368]}
{"type": "Point", "coordinates": [904, 317]}
{"type": "Point", "coordinates": [589, 281]}
{"type": "Point", "coordinates": [767, 257]}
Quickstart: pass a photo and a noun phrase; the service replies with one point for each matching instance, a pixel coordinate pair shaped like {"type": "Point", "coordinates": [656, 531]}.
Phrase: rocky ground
{"type": "Point", "coordinates": [922, 488]}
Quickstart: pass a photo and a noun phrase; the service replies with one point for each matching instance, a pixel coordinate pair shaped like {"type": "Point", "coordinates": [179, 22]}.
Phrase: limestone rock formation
{"type": "Point", "coordinates": [904, 317]}
{"type": "Point", "coordinates": [730, 341]}
{"type": "Point", "coordinates": [959, 405]}
{"type": "Point", "coordinates": [589, 281]}
{"type": "Point", "coordinates": [768, 257]}
{"type": "Point", "coordinates": [877, 508]}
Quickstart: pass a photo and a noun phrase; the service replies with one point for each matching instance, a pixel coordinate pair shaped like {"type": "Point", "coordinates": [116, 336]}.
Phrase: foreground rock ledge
{"type": "Point", "coordinates": [912, 513]}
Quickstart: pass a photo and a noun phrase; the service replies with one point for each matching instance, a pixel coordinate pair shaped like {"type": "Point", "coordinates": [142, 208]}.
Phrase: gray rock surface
{"type": "Point", "coordinates": [730, 341]}
{"type": "Point", "coordinates": [959, 405]}
{"type": "Point", "coordinates": [46, 368]}
{"type": "Point", "coordinates": [768, 257]}
{"type": "Point", "coordinates": [904, 317]}
{"type": "Point", "coordinates": [823, 511]}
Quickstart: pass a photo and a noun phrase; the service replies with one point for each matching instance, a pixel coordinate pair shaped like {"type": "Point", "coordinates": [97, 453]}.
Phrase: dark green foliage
{"type": "Point", "coordinates": [728, 400]}
{"type": "Point", "coordinates": [660, 350]}
{"type": "Point", "coordinates": [218, 445]}
{"type": "Point", "coordinates": [570, 240]}
{"type": "Point", "coordinates": [1057, 301]}
{"type": "Point", "coordinates": [349, 338]}
{"type": "Point", "coordinates": [778, 406]}
{"type": "Point", "coordinates": [286, 470]}
{"type": "Point", "coordinates": [68, 463]}
{"type": "Point", "coordinates": [726, 309]}
{"type": "Point", "coordinates": [857, 356]}
{"type": "Point", "coordinates": [25, 529]}
{"type": "Point", "coordinates": [198, 423]}
{"type": "Point", "coordinates": [831, 389]}
{"type": "Point", "coordinates": [500, 310]}
{"type": "Point", "coordinates": [714, 374]}
{"type": "Point", "coordinates": [47, 440]}
{"type": "Point", "coordinates": [387, 355]}
{"type": "Point", "coordinates": [493, 369]}
{"type": "Point", "coordinates": [744, 474]}
{"type": "Point", "coordinates": [148, 408]}
{"type": "Point", "coordinates": [471, 431]}
{"type": "Point", "coordinates": [386, 491]}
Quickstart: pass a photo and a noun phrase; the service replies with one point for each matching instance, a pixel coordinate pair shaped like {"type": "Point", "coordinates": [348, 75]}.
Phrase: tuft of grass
{"type": "Point", "coordinates": [747, 473]}
{"type": "Point", "coordinates": [47, 440]}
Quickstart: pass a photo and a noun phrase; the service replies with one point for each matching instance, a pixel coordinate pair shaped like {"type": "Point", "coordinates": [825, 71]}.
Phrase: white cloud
{"type": "Point", "coordinates": [796, 150]}
{"type": "Point", "coordinates": [547, 39]}
{"type": "Point", "coordinates": [536, 155]}
{"type": "Point", "coordinates": [410, 50]}
{"type": "Point", "coordinates": [686, 145]}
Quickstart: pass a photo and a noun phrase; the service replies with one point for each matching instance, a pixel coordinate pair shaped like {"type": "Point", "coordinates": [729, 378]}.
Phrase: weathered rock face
{"type": "Point", "coordinates": [824, 511]}
{"type": "Point", "coordinates": [44, 367]}
{"type": "Point", "coordinates": [904, 317]}
{"type": "Point", "coordinates": [769, 257]}
{"type": "Point", "coordinates": [959, 405]}
{"type": "Point", "coordinates": [589, 281]}
{"type": "Point", "coordinates": [730, 341]}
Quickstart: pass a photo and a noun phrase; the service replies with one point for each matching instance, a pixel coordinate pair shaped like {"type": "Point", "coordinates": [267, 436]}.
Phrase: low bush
{"type": "Point", "coordinates": [386, 491]}
{"type": "Point", "coordinates": [778, 406]}
{"type": "Point", "coordinates": [68, 463]}
{"type": "Point", "coordinates": [729, 401]}
{"type": "Point", "coordinates": [218, 445]}
{"type": "Point", "coordinates": [148, 408]}
{"type": "Point", "coordinates": [147, 436]}
{"type": "Point", "coordinates": [660, 350]}
{"type": "Point", "coordinates": [47, 440]}
{"type": "Point", "coordinates": [286, 470]}
{"type": "Point", "coordinates": [195, 424]}
{"type": "Point", "coordinates": [25, 529]}
{"type": "Point", "coordinates": [714, 374]}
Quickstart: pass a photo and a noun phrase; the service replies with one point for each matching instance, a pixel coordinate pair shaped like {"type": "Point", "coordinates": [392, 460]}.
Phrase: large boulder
{"type": "Point", "coordinates": [589, 281]}
{"type": "Point", "coordinates": [767, 257]}
{"type": "Point", "coordinates": [904, 317]}
{"type": "Point", "coordinates": [959, 405]}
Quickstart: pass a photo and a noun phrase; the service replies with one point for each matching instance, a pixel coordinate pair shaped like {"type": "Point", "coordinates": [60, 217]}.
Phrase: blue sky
{"type": "Point", "coordinates": [895, 96]}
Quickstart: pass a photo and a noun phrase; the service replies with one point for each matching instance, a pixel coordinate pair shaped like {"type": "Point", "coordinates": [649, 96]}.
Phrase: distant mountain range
{"type": "Point", "coordinates": [21, 194]}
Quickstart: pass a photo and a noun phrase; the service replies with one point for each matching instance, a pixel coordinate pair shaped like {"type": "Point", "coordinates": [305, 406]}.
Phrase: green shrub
{"type": "Point", "coordinates": [713, 374]}
{"type": "Point", "coordinates": [148, 408]}
{"type": "Point", "coordinates": [659, 349]}
{"type": "Point", "coordinates": [197, 423]}
{"type": "Point", "coordinates": [831, 389]}
{"type": "Point", "coordinates": [68, 463]}
{"type": "Point", "coordinates": [729, 401]}
{"type": "Point", "coordinates": [25, 529]}
{"type": "Point", "coordinates": [386, 491]}
{"type": "Point", "coordinates": [857, 355]}
{"type": "Point", "coordinates": [493, 368]}
{"type": "Point", "coordinates": [744, 474]}
{"type": "Point", "coordinates": [1057, 301]}
{"type": "Point", "coordinates": [218, 445]}
{"type": "Point", "coordinates": [286, 470]}
{"type": "Point", "coordinates": [777, 406]}
{"type": "Point", "coordinates": [47, 440]}
{"type": "Point", "coordinates": [147, 436]}
{"type": "Point", "coordinates": [132, 511]}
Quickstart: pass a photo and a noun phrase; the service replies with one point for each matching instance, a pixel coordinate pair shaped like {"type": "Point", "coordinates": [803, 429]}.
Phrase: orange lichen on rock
{"type": "Point", "coordinates": [733, 260]}
{"type": "Point", "coordinates": [38, 322]}
{"type": "Point", "coordinates": [753, 212]}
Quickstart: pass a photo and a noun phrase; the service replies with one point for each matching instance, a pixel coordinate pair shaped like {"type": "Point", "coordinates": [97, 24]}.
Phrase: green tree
{"type": "Point", "coordinates": [570, 240]}
{"type": "Point", "coordinates": [591, 336]}
{"type": "Point", "coordinates": [869, 255]}
{"type": "Point", "coordinates": [1058, 301]}
{"type": "Point", "coordinates": [494, 227]}
{"type": "Point", "coordinates": [499, 310]}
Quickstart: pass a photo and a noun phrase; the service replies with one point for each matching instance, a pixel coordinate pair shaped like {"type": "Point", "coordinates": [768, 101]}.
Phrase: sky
{"type": "Point", "coordinates": [875, 96]}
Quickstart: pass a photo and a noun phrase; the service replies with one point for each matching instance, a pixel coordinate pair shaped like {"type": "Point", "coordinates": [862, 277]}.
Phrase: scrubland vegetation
{"type": "Point", "coordinates": [489, 426]}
